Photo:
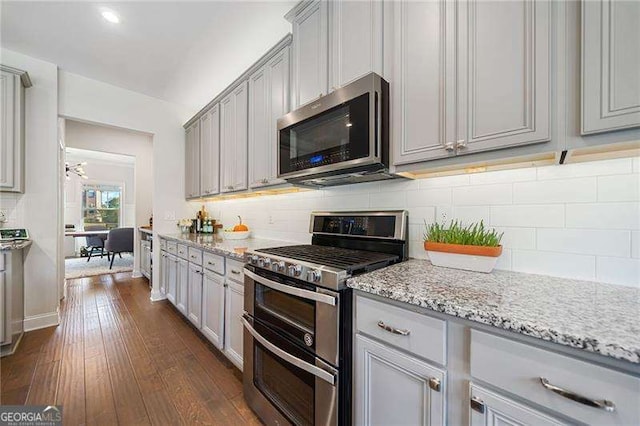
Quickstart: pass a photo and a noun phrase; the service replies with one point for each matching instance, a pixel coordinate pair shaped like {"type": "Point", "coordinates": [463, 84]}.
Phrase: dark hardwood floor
{"type": "Point", "coordinates": [118, 358]}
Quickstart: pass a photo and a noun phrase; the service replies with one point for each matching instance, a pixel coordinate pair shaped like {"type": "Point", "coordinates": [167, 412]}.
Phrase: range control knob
{"type": "Point", "coordinates": [253, 259]}
{"type": "Point", "coordinates": [295, 270]}
{"type": "Point", "coordinates": [314, 275]}
{"type": "Point", "coordinates": [278, 266]}
{"type": "Point", "coordinates": [261, 262]}
{"type": "Point", "coordinates": [267, 262]}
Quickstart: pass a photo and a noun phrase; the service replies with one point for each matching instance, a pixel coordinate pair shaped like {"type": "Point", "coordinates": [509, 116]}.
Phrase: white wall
{"type": "Point", "coordinates": [84, 99]}
{"type": "Point", "coordinates": [576, 221]}
{"type": "Point", "coordinates": [38, 209]}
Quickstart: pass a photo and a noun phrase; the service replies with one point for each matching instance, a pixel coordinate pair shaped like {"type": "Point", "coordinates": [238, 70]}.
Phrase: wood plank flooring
{"type": "Point", "coordinates": [117, 358]}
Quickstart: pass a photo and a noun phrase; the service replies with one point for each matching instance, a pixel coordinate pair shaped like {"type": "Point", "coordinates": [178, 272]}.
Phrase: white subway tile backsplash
{"type": "Point", "coordinates": [503, 176]}
{"type": "Point", "coordinates": [635, 244]}
{"type": "Point", "coordinates": [483, 195]}
{"type": "Point", "coordinates": [551, 263]}
{"type": "Point", "coordinates": [604, 216]}
{"type": "Point", "coordinates": [539, 215]}
{"type": "Point", "coordinates": [619, 188]}
{"type": "Point", "coordinates": [592, 168]}
{"type": "Point", "coordinates": [618, 270]}
{"type": "Point", "coordinates": [554, 191]}
{"type": "Point", "coordinates": [585, 241]}
{"type": "Point", "coordinates": [576, 221]}
{"type": "Point", "coordinates": [429, 197]}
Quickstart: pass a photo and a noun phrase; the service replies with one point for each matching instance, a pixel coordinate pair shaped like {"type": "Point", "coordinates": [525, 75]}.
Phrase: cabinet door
{"type": "Point", "coordinates": [164, 272]}
{"type": "Point", "coordinates": [192, 161]}
{"type": "Point", "coordinates": [233, 330]}
{"type": "Point", "coordinates": [423, 94]}
{"type": "Point", "coordinates": [311, 46]}
{"type": "Point", "coordinates": [504, 59]}
{"type": "Point", "coordinates": [268, 100]}
{"type": "Point", "coordinates": [172, 279]}
{"type": "Point", "coordinates": [491, 409]}
{"type": "Point", "coordinates": [195, 295]}
{"type": "Point", "coordinates": [182, 286]}
{"type": "Point", "coordinates": [213, 308]}
{"type": "Point", "coordinates": [233, 139]}
{"type": "Point", "coordinates": [356, 40]}
{"type": "Point", "coordinates": [210, 152]}
{"type": "Point", "coordinates": [392, 388]}
{"type": "Point", "coordinates": [610, 65]}
{"type": "Point", "coordinates": [8, 143]}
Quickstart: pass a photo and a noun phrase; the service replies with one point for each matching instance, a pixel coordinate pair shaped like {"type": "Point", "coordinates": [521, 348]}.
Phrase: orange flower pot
{"type": "Point", "coordinates": [463, 249]}
{"type": "Point", "coordinates": [459, 256]}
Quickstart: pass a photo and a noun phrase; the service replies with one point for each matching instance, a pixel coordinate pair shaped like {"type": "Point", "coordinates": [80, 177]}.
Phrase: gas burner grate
{"type": "Point", "coordinates": [350, 260]}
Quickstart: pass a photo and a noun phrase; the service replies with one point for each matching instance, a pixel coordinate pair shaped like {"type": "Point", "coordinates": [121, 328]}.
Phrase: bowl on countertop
{"type": "Point", "coordinates": [237, 235]}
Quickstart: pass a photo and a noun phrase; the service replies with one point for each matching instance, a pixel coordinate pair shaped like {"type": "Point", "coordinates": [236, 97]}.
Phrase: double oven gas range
{"type": "Point", "coordinates": [298, 315]}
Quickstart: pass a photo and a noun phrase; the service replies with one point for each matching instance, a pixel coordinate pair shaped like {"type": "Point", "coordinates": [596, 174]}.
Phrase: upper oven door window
{"type": "Point", "coordinates": [337, 135]}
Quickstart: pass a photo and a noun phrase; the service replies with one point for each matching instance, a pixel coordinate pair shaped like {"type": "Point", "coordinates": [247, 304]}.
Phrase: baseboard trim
{"type": "Point", "coordinates": [157, 296]}
{"type": "Point", "coordinates": [36, 322]}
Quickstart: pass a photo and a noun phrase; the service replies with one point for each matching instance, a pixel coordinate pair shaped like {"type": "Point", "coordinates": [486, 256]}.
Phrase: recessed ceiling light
{"type": "Point", "coordinates": [110, 16]}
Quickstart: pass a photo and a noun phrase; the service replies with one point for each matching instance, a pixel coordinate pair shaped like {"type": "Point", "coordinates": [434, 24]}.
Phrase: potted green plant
{"type": "Point", "coordinates": [471, 247]}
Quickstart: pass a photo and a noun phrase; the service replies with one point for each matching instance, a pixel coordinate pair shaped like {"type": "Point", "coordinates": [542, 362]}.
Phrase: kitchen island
{"type": "Point", "coordinates": [476, 347]}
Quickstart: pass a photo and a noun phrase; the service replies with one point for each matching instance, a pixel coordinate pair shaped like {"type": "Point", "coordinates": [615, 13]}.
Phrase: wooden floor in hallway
{"type": "Point", "coordinates": [118, 358]}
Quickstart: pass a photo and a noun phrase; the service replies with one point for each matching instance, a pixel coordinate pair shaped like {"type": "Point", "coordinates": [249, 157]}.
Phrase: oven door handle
{"type": "Point", "coordinates": [310, 368]}
{"type": "Point", "coordinates": [305, 294]}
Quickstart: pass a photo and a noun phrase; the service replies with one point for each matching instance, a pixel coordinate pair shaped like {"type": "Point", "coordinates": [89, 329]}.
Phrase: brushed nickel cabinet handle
{"type": "Point", "coordinates": [477, 404]}
{"type": "Point", "coordinates": [605, 405]}
{"type": "Point", "coordinates": [449, 146]}
{"type": "Point", "coordinates": [393, 330]}
{"type": "Point", "coordinates": [461, 144]}
{"type": "Point", "coordinates": [235, 271]}
{"type": "Point", "coordinates": [434, 384]}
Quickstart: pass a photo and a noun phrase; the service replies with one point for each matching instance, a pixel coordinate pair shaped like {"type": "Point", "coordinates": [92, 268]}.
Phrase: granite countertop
{"type": "Point", "coordinates": [15, 245]}
{"type": "Point", "coordinates": [594, 317]}
{"type": "Point", "coordinates": [146, 230]}
{"type": "Point", "coordinates": [230, 248]}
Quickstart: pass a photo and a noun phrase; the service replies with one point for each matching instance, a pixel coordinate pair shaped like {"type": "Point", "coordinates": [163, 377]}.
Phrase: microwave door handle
{"type": "Point", "coordinates": [294, 291]}
{"type": "Point", "coordinates": [378, 142]}
{"type": "Point", "coordinates": [310, 368]}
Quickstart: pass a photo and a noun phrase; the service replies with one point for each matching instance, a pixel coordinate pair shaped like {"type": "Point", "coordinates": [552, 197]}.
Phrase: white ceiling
{"type": "Point", "coordinates": [183, 52]}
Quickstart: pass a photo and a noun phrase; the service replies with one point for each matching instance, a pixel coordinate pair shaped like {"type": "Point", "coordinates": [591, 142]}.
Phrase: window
{"type": "Point", "coordinates": [101, 205]}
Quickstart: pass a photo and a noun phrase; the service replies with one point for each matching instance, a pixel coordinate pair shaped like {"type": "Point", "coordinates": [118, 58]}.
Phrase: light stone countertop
{"type": "Point", "coordinates": [234, 249]}
{"type": "Point", "coordinates": [595, 317]}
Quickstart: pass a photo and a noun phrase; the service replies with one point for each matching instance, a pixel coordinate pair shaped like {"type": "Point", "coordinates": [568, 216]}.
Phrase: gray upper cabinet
{"type": "Point", "coordinates": [268, 100]}
{"type": "Point", "coordinates": [610, 65]}
{"type": "Point", "coordinates": [311, 49]}
{"type": "Point", "coordinates": [12, 114]}
{"type": "Point", "coordinates": [501, 55]}
{"type": "Point", "coordinates": [356, 40]}
{"type": "Point", "coordinates": [423, 92]}
{"type": "Point", "coordinates": [504, 58]}
{"type": "Point", "coordinates": [233, 139]}
{"type": "Point", "coordinates": [210, 152]}
{"type": "Point", "coordinates": [192, 161]}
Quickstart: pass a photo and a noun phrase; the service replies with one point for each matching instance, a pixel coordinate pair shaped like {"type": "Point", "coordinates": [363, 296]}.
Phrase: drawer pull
{"type": "Point", "coordinates": [601, 404]}
{"type": "Point", "coordinates": [211, 263]}
{"type": "Point", "coordinates": [193, 256]}
{"type": "Point", "coordinates": [477, 404]}
{"type": "Point", "coordinates": [434, 384]}
{"type": "Point", "coordinates": [235, 271]}
{"type": "Point", "coordinates": [393, 330]}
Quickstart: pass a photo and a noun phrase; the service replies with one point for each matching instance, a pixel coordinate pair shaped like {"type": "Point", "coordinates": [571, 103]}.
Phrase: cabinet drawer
{"type": "Point", "coordinates": [172, 247]}
{"type": "Point", "coordinates": [163, 244]}
{"type": "Point", "coordinates": [183, 252]}
{"type": "Point", "coordinates": [426, 336]}
{"type": "Point", "coordinates": [235, 270]}
{"type": "Point", "coordinates": [195, 256]}
{"type": "Point", "coordinates": [517, 368]}
{"type": "Point", "coordinates": [213, 262]}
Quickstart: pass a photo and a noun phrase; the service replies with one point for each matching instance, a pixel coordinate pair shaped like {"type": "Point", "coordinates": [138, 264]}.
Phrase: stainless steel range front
{"type": "Point", "coordinates": [298, 315]}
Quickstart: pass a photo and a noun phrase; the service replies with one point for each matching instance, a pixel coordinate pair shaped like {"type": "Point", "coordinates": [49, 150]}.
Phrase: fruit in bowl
{"type": "Point", "coordinates": [240, 227]}
{"type": "Point", "coordinates": [238, 232]}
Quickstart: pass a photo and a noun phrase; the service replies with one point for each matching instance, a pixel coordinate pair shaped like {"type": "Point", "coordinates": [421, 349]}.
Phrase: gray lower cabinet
{"type": "Point", "coordinates": [210, 152]}
{"type": "Point", "coordinates": [192, 161]}
{"type": "Point", "coordinates": [394, 388]}
{"type": "Point", "coordinates": [145, 258]}
{"type": "Point", "coordinates": [492, 409]}
{"type": "Point", "coordinates": [234, 139]}
{"type": "Point", "coordinates": [501, 55]}
{"type": "Point", "coordinates": [171, 281]}
{"type": "Point", "coordinates": [233, 330]}
{"type": "Point", "coordinates": [268, 100]}
{"type": "Point", "coordinates": [11, 300]}
{"type": "Point", "coordinates": [610, 65]}
{"type": "Point", "coordinates": [12, 116]}
{"type": "Point", "coordinates": [194, 305]}
{"type": "Point", "coordinates": [182, 286]}
{"type": "Point", "coordinates": [213, 289]}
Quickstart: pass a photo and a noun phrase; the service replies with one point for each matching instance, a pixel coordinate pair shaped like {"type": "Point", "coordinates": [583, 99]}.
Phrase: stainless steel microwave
{"type": "Point", "coordinates": [341, 138]}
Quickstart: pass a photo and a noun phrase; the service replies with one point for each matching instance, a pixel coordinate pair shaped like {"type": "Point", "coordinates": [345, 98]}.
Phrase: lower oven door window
{"type": "Point", "coordinates": [288, 376]}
